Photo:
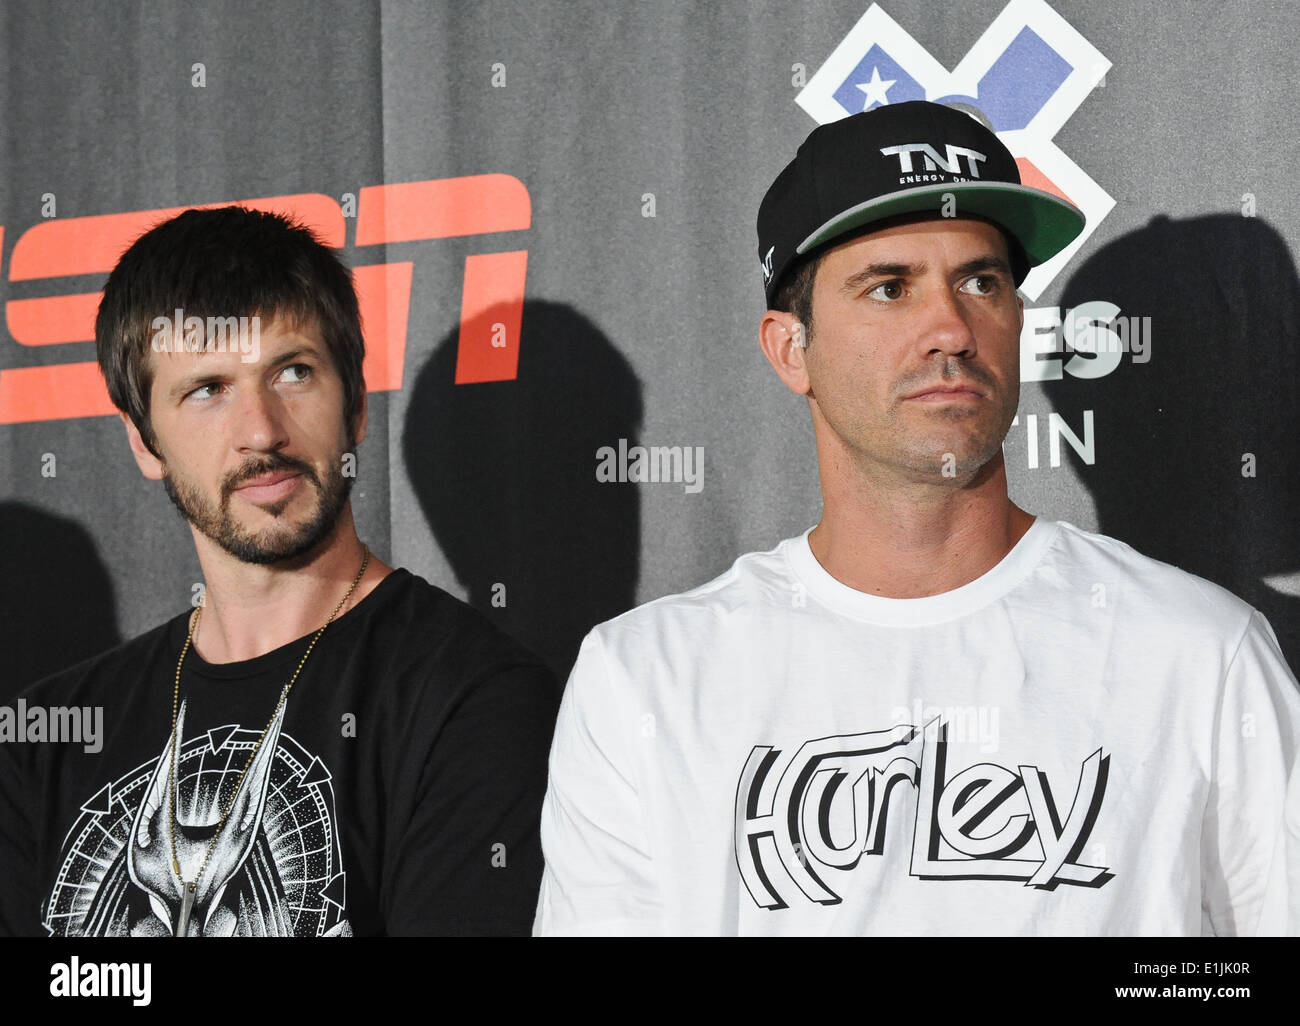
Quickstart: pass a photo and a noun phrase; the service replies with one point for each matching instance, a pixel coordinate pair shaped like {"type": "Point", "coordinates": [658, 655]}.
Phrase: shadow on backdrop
{"type": "Point", "coordinates": [57, 602]}
{"type": "Point", "coordinates": [505, 473]}
{"type": "Point", "coordinates": [1173, 477]}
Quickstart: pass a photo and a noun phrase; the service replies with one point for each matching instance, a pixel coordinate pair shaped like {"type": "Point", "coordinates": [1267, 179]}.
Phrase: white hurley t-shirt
{"type": "Point", "coordinates": [1082, 741]}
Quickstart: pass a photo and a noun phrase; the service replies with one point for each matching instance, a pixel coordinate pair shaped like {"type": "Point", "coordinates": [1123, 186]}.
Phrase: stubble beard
{"type": "Point", "coordinates": [979, 437]}
{"type": "Point", "coordinates": [953, 462]}
{"type": "Point", "coordinates": [268, 545]}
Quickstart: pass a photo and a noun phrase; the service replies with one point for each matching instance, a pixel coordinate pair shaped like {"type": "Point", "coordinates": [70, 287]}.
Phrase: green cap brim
{"type": "Point", "coordinates": [1043, 224]}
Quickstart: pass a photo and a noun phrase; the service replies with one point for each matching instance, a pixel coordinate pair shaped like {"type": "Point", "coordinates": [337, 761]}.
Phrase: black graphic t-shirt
{"type": "Point", "coordinates": [396, 792]}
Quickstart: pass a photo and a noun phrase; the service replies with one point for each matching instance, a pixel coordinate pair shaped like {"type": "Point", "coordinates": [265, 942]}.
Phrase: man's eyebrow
{"type": "Point", "coordinates": [188, 384]}
{"type": "Point", "coordinates": [293, 354]}
{"type": "Point", "coordinates": [857, 280]}
{"type": "Point", "coordinates": [988, 262]}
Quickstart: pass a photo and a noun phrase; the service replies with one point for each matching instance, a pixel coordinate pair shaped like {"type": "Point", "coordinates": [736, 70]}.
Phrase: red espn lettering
{"type": "Point", "coordinates": [402, 212]}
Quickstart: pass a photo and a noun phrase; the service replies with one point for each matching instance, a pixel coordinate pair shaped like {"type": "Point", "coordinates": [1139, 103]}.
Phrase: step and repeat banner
{"type": "Point", "coordinates": [549, 209]}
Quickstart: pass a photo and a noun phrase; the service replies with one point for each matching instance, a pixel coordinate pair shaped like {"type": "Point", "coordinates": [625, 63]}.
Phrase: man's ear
{"type": "Point", "coordinates": [150, 465]}
{"type": "Point", "coordinates": [1020, 305]}
{"type": "Point", "coordinates": [359, 421]}
{"type": "Point", "coordinates": [785, 343]}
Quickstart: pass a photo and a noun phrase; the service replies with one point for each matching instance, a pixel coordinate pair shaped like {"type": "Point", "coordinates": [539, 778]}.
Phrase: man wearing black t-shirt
{"type": "Point", "coordinates": [327, 745]}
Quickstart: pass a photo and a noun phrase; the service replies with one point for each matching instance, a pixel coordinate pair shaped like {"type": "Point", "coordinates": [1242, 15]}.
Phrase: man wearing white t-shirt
{"type": "Point", "coordinates": [933, 713]}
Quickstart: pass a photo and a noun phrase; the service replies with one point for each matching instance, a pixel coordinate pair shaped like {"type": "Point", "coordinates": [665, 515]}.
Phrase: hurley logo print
{"type": "Point", "coordinates": [806, 817]}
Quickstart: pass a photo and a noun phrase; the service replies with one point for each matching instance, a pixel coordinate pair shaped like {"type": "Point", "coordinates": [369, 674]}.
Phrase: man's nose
{"type": "Point", "coordinates": [946, 329]}
{"type": "Point", "coordinates": [259, 420]}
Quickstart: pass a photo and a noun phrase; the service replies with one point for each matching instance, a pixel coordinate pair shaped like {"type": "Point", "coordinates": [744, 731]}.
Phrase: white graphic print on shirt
{"type": "Point", "coordinates": [274, 869]}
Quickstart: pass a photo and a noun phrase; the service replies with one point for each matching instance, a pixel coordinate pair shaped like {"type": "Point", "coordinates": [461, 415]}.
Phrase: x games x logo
{"type": "Point", "coordinates": [1027, 74]}
{"type": "Point", "coordinates": [34, 387]}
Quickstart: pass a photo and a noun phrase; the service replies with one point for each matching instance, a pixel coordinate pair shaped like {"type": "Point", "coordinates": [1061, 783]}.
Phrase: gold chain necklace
{"type": "Point", "coordinates": [188, 890]}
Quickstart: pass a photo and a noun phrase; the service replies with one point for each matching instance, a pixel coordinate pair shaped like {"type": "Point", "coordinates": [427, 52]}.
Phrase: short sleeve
{"type": "Point", "coordinates": [599, 874]}
{"type": "Point", "coordinates": [1250, 846]}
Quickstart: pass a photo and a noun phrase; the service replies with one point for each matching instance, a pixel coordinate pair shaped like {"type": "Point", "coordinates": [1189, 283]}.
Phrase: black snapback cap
{"type": "Point", "coordinates": [904, 158]}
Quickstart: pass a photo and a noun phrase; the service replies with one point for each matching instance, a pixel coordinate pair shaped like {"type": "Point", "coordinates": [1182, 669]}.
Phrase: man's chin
{"type": "Point", "coordinates": [952, 463]}
{"type": "Point", "coordinates": [287, 550]}
{"type": "Point", "coordinates": [274, 509]}
{"type": "Point", "coordinates": [268, 534]}
{"type": "Point", "coordinates": [286, 541]}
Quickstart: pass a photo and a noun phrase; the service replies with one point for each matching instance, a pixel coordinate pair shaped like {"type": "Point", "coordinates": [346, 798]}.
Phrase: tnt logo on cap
{"type": "Point", "coordinates": [933, 162]}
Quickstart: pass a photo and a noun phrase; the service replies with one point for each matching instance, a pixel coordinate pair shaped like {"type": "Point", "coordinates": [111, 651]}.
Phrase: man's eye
{"type": "Point", "coordinates": [887, 291]}
{"type": "Point", "coordinates": [981, 284]}
{"type": "Point", "coordinates": [298, 372]}
{"type": "Point", "coordinates": [202, 392]}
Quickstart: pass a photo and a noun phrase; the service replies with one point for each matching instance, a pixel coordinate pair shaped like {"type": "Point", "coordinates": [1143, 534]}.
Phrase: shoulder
{"type": "Point", "coordinates": [425, 622]}
{"type": "Point", "coordinates": [110, 667]}
{"type": "Point", "coordinates": [753, 576]}
{"type": "Point", "coordinates": [755, 581]}
{"type": "Point", "coordinates": [1148, 586]}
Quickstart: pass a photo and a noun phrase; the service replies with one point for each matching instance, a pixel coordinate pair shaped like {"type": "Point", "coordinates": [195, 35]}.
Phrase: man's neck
{"type": "Point", "coordinates": [249, 610]}
{"type": "Point", "coordinates": [914, 541]}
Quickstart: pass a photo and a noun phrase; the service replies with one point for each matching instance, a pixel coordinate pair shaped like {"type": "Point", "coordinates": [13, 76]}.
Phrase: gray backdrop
{"type": "Point", "coordinates": [643, 327]}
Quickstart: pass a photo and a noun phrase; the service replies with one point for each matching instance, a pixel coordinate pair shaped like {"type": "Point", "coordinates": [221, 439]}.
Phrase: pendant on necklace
{"type": "Point", "coordinates": [187, 903]}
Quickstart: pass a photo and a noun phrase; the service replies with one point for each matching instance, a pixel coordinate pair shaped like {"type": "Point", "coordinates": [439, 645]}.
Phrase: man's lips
{"type": "Point", "coordinates": [947, 393]}
{"type": "Point", "coordinates": [270, 487]}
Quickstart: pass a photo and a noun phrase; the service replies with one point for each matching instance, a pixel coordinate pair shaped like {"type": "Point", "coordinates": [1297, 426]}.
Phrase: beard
{"type": "Point", "coordinates": [274, 544]}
